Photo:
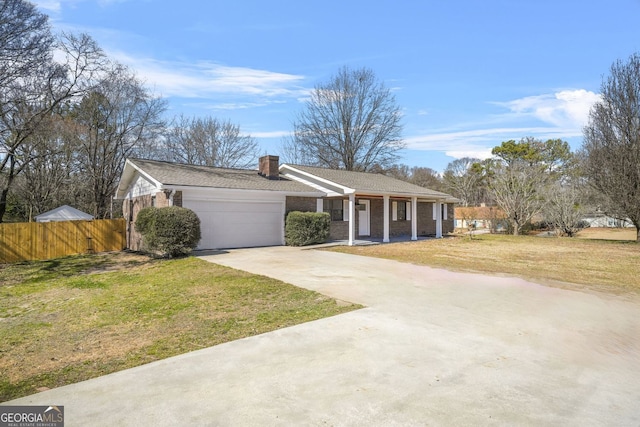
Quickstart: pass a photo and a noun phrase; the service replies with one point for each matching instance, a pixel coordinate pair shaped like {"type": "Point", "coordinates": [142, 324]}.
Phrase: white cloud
{"type": "Point", "coordinates": [479, 142]}
{"type": "Point", "coordinates": [234, 105]}
{"type": "Point", "coordinates": [458, 144]}
{"type": "Point", "coordinates": [207, 79]}
{"type": "Point", "coordinates": [567, 108]}
{"type": "Point", "coordinates": [272, 134]}
{"type": "Point", "coordinates": [564, 113]}
{"type": "Point", "coordinates": [56, 5]}
{"type": "Point", "coordinates": [48, 5]}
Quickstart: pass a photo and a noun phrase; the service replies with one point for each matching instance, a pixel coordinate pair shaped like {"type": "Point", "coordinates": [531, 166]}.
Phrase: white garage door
{"type": "Point", "coordinates": [238, 224]}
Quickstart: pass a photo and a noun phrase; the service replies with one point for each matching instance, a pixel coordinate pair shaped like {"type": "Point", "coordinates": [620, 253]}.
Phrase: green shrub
{"type": "Point", "coordinates": [307, 228]}
{"type": "Point", "coordinates": [172, 231]}
{"type": "Point", "coordinates": [145, 221]}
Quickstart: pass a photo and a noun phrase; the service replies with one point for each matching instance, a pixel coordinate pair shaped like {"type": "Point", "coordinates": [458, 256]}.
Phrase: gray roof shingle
{"type": "Point", "coordinates": [370, 182]}
{"type": "Point", "coordinates": [178, 174]}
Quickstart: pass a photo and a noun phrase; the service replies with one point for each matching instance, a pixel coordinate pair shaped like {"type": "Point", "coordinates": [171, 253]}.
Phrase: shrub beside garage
{"type": "Point", "coordinates": [171, 231]}
{"type": "Point", "coordinates": [306, 228]}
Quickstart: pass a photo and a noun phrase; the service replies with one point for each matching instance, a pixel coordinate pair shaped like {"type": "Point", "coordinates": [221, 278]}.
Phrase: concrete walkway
{"type": "Point", "coordinates": [431, 348]}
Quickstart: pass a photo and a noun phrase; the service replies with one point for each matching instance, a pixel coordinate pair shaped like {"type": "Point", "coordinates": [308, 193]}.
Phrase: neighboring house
{"type": "Point", "coordinates": [63, 213]}
{"type": "Point", "coordinates": [246, 208]}
{"type": "Point", "coordinates": [599, 219]}
{"type": "Point", "coordinates": [480, 217]}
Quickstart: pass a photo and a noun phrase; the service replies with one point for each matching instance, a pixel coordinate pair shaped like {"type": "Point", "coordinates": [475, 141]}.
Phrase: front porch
{"type": "Point", "coordinates": [365, 206]}
{"type": "Point", "coordinates": [377, 218]}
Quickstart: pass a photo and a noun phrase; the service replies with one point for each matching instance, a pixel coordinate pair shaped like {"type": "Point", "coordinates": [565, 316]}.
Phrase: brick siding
{"type": "Point", "coordinates": [131, 207]}
{"type": "Point", "coordinates": [301, 204]}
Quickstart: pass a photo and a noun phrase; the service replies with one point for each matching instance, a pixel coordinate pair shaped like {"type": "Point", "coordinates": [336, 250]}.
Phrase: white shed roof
{"type": "Point", "coordinates": [63, 213]}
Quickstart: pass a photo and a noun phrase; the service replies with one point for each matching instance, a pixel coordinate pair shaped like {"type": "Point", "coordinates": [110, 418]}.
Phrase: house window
{"type": "Point", "coordinates": [335, 208]}
{"type": "Point", "coordinates": [153, 200]}
{"type": "Point", "coordinates": [443, 211]}
{"type": "Point", "coordinates": [401, 211]}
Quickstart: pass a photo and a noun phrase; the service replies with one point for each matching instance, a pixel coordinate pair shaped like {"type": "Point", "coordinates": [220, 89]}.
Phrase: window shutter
{"type": "Point", "coordinates": [434, 211]}
{"type": "Point", "coordinates": [345, 210]}
{"type": "Point", "coordinates": [319, 205]}
{"type": "Point", "coordinates": [394, 211]}
{"type": "Point", "coordinates": [408, 210]}
{"type": "Point", "coordinates": [444, 216]}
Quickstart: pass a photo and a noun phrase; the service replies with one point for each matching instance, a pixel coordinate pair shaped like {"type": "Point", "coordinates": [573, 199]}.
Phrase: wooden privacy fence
{"type": "Point", "coordinates": [47, 240]}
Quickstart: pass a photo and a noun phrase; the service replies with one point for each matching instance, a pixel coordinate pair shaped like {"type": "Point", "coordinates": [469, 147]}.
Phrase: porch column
{"type": "Point", "coordinates": [414, 218]}
{"type": "Point", "coordinates": [352, 219]}
{"type": "Point", "coordinates": [385, 235]}
{"type": "Point", "coordinates": [438, 219]}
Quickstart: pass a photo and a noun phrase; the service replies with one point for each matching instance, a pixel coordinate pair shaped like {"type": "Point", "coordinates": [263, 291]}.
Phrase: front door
{"type": "Point", "coordinates": [364, 218]}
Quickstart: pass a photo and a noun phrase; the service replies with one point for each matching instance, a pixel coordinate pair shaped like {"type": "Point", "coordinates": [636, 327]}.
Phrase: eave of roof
{"type": "Point", "coordinates": [361, 182]}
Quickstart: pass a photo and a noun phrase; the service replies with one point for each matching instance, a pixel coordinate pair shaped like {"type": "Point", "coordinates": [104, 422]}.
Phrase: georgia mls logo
{"type": "Point", "coordinates": [32, 416]}
{"type": "Point", "coordinates": [56, 411]}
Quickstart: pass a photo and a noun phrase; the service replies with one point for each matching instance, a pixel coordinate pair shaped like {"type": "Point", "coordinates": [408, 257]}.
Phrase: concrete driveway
{"type": "Point", "coordinates": [431, 348]}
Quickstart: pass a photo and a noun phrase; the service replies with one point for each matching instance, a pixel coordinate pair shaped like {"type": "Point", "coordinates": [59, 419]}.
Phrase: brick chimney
{"type": "Point", "coordinates": [268, 167]}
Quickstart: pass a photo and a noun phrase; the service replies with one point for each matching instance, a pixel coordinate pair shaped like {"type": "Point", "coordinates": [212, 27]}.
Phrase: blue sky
{"type": "Point", "coordinates": [467, 74]}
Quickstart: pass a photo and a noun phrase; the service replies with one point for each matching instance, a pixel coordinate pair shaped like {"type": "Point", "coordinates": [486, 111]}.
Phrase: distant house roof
{"type": "Point", "coordinates": [63, 213]}
{"type": "Point", "coordinates": [363, 182]}
{"type": "Point", "coordinates": [177, 174]}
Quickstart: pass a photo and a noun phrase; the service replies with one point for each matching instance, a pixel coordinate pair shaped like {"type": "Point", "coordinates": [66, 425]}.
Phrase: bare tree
{"type": "Point", "coordinates": [518, 189]}
{"type": "Point", "coordinates": [426, 177]}
{"type": "Point", "coordinates": [418, 175]}
{"type": "Point", "coordinates": [351, 122]}
{"type": "Point", "coordinates": [25, 41]}
{"type": "Point", "coordinates": [292, 153]}
{"type": "Point", "coordinates": [467, 215]}
{"type": "Point", "coordinates": [463, 180]}
{"type": "Point", "coordinates": [47, 181]}
{"type": "Point", "coordinates": [397, 171]}
{"type": "Point", "coordinates": [32, 83]}
{"type": "Point", "coordinates": [565, 208]}
{"type": "Point", "coordinates": [111, 121]}
{"type": "Point", "coordinates": [520, 173]}
{"type": "Point", "coordinates": [612, 141]}
{"type": "Point", "coordinates": [210, 142]}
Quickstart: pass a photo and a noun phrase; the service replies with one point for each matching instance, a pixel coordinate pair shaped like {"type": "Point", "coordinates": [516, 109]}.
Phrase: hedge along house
{"type": "Point", "coordinates": [247, 208]}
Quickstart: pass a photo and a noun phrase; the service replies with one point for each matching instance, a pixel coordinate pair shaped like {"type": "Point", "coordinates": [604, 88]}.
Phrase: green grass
{"type": "Point", "coordinates": [72, 319]}
{"type": "Point", "coordinates": [602, 265]}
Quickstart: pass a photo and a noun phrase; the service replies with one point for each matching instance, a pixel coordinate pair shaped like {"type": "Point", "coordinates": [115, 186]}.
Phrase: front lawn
{"type": "Point", "coordinates": [71, 319]}
{"type": "Point", "coordinates": [610, 266]}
